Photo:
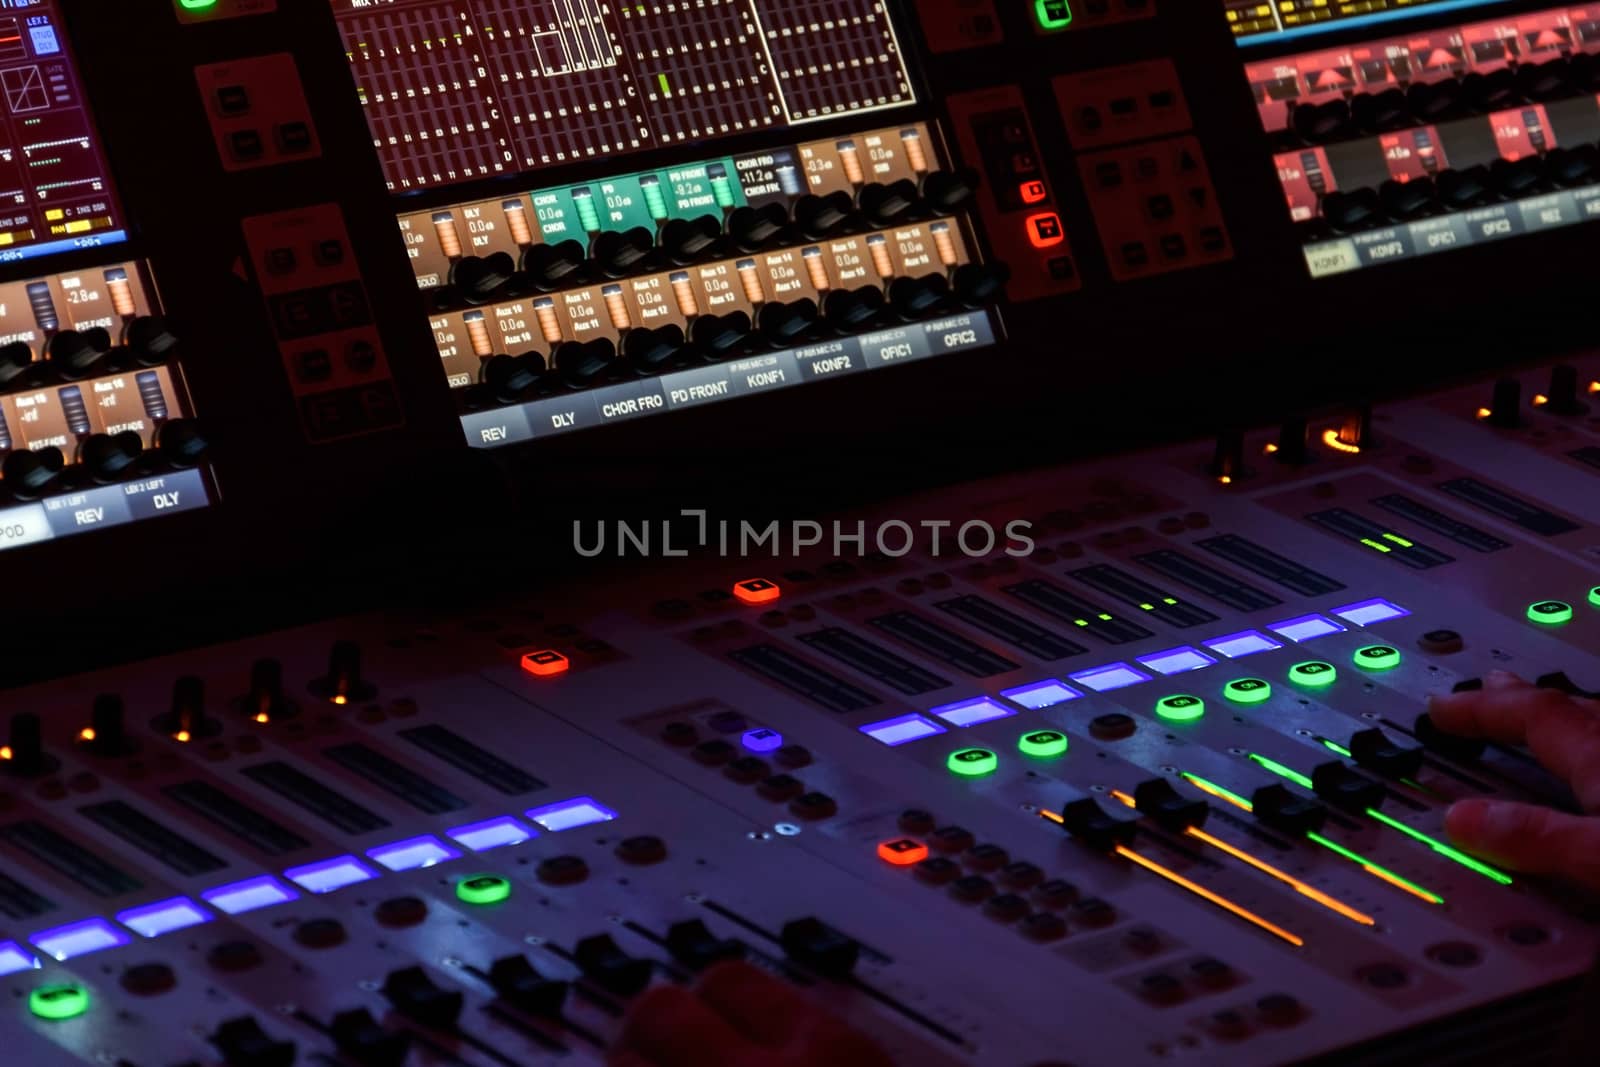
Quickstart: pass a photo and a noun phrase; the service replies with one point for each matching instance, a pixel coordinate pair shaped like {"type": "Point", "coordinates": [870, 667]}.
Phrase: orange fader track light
{"type": "Point", "coordinates": [902, 852]}
{"type": "Point", "coordinates": [756, 591]}
{"type": "Point", "coordinates": [545, 663]}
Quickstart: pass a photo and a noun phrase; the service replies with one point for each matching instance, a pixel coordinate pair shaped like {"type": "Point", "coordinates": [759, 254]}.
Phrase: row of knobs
{"type": "Point", "coordinates": [1426, 103]}
{"type": "Point", "coordinates": [710, 338]}
{"type": "Point", "coordinates": [1351, 210]}
{"type": "Point", "coordinates": [1563, 397]}
{"type": "Point", "coordinates": [187, 717]}
{"type": "Point", "coordinates": [101, 459]}
{"type": "Point", "coordinates": [681, 242]}
{"type": "Point", "coordinates": [71, 355]}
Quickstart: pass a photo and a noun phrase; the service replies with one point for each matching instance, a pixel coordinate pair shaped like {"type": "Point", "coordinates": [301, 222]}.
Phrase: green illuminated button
{"type": "Point", "coordinates": [56, 1002]}
{"type": "Point", "coordinates": [1043, 743]}
{"type": "Point", "coordinates": [972, 762]}
{"type": "Point", "coordinates": [1377, 657]}
{"type": "Point", "coordinates": [1313, 672]}
{"type": "Point", "coordinates": [1550, 612]}
{"type": "Point", "coordinates": [1594, 596]}
{"type": "Point", "coordinates": [1053, 14]}
{"type": "Point", "coordinates": [1180, 708]}
{"type": "Point", "coordinates": [1248, 690]}
{"type": "Point", "coordinates": [483, 889]}
{"type": "Point", "coordinates": [197, 5]}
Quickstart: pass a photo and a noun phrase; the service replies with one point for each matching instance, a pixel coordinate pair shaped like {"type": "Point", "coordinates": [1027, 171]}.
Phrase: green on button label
{"type": "Point", "coordinates": [1043, 744]}
{"type": "Point", "coordinates": [483, 889]}
{"type": "Point", "coordinates": [57, 1002]}
{"type": "Point", "coordinates": [1550, 612]}
{"type": "Point", "coordinates": [1180, 708]}
{"type": "Point", "coordinates": [971, 762]}
{"type": "Point", "coordinates": [1377, 657]}
{"type": "Point", "coordinates": [1314, 672]}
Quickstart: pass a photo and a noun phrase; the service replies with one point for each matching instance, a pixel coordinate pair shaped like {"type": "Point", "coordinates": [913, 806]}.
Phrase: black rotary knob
{"type": "Point", "coordinates": [1377, 112]}
{"type": "Point", "coordinates": [1321, 123]}
{"type": "Point", "coordinates": [686, 240]}
{"type": "Point", "coordinates": [653, 350]}
{"type": "Point", "coordinates": [29, 474]}
{"type": "Point", "coordinates": [1570, 167]}
{"type": "Point", "coordinates": [480, 278]}
{"type": "Point", "coordinates": [524, 988]}
{"type": "Point", "coordinates": [243, 1043]}
{"type": "Point", "coordinates": [108, 457]}
{"type": "Point", "coordinates": [916, 298]}
{"type": "Point", "coordinates": [1495, 91]}
{"type": "Point", "coordinates": [623, 253]}
{"type": "Point", "coordinates": [75, 354]}
{"type": "Point", "coordinates": [1562, 397]}
{"type": "Point", "coordinates": [721, 335]}
{"type": "Point", "coordinates": [512, 377]}
{"type": "Point", "coordinates": [149, 340]}
{"type": "Point", "coordinates": [1227, 458]}
{"type": "Point", "coordinates": [1432, 102]}
{"type": "Point", "coordinates": [16, 360]}
{"type": "Point", "coordinates": [582, 362]}
{"type": "Point", "coordinates": [885, 204]}
{"type": "Point", "coordinates": [853, 310]}
{"type": "Point", "coordinates": [1404, 201]}
{"type": "Point", "coordinates": [182, 444]}
{"type": "Point", "coordinates": [552, 266]}
{"type": "Point", "coordinates": [819, 216]}
{"type": "Point", "coordinates": [343, 684]}
{"type": "Point", "coordinates": [23, 755]}
{"type": "Point", "coordinates": [947, 191]}
{"type": "Point", "coordinates": [1517, 179]}
{"type": "Point", "coordinates": [187, 719]}
{"type": "Point", "coordinates": [1356, 429]}
{"type": "Point", "coordinates": [753, 228]}
{"type": "Point", "coordinates": [416, 996]}
{"type": "Point", "coordinates": [1505, 404]}
{"type": "Point", "coordinates": [1294, 438]}
{"type": "Point", "coordinates": [979, 284]}
{"type": "Point", "coordinates": [785, 324]}
{"type": "Point", "coordinates": [265, 700]}
{"type": "Point", "coordinates": [107, 734]}
{"type": "Point", "coordinates": [1357, 209]}
{"type": "Point", "coordinates": [1464, 188]}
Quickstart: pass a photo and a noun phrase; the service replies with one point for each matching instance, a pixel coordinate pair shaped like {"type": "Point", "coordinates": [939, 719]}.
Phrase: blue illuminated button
{"type": "Point", "coordinates": [1248, 690]}
{"type": "Point", "coordinates": [570, 814]}
{"type": "Point", "coordinates": [14, 958]}
{"type": "Point", "coordinates": [972, 762]}
{"type": "Point", "coordinates": [1550, 612]}
{"type": "Point", "coordinates": [762, 740]}
{"type": "Point", "coordinates": [1314, 672]}
{"type": "Point", "coordinates": [1377, 657]}
{"type": "Point", "coordinates": [153, 920]}
{"type": "Point", "coordinates": [1180, 708]}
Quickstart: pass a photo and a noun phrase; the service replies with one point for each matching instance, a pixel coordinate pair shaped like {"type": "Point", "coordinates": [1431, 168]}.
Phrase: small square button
{"type": "Point", "coordinates": [1212, 239]}
{"type": "Point", "coordinates": [329, 253]}
{"type": "Point", "coordinates": [1044, 229]}
{"type": "Point", "coordinates": [294, 138]}
{"type": "Point", "coordinates": [1173, 246]}
{"type": "Point", "coordinates": [1090, 118]}
{"type": "Point", "coordinates": [313, 366]}
{"type": "Point", "coordinates": [545, 663]}
{"type": "Point", "coordinates": [1032, 192]}
{"type": "Point", "coordinates": [1108, 175]}
{"type": "Point", "coordinates": [1159, 206]}
{"type": "Point", "coordinates": [361, 356]}
{"type": "Point", "coordinates": [281, 261]}
{"type": "Point", "coordinates": [1060, 267]}
{"type": "Point", "coordinates": [1134, 254]}
{"type": "Point", "coordinates": [233, 99]}
{"type": "Point", "coordinates": [245, 144]}
{"type": "Point", "coordinates": [1146, 168]}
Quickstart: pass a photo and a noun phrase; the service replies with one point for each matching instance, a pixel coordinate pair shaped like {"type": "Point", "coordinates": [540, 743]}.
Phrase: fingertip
{"type": "Point", "coordinates": [1498, 679]}
{"type": "Point", "coordinates": [1465, 821]}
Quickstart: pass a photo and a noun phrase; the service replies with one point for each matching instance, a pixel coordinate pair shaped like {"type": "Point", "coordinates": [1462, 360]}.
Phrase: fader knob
{"type": "Point", "coordinates": [721, 335]}
{"type": "Point", "coordinates": [343, 683]}
{"type": "Point", "coordinates": [652, 350]}
{"type": "Point", "coordinates": [817, 945]}
{"type": "Point", "coordinates": [1464, 188]}
{"type": "Point", "coordinates": [525, 989]}
{"type": "Point", "coordinates": [187, 720]}
{"type": "Point", "coordinates": [1227, 459]}
{"type": "Point", "coordinates": [1562, 396]}
{"type": "Point", "coordinates": [1293, 441]}
{"type": "Point", "coordinates": [979, 284]}
{"type": "Point", "coordinates": [361, 1040]}
{"type": "Point", "coordinates": [883, 204]}
{"type": "Point", "coordinates": [107, 457]}
{"type": "Point", "coordinates": [612, 969]}
{"type": "Point", "coordinates": [1344, 789]}
{"type": "Point", "coordinates": [1505, 405]}
{"type": "Point", "coordinates": [686, 240]}
{"type": "Point", "coordinates": [693, 944]}
{"type": "Point", "coordinates": [1373, 750]}
{"type": "Point", "coordinates": [182, 444]}
{"type": "Point", "coordinates": [783, 324]}
{"type": "Point", "coordinates": [478, 279]}
{"type": "Point", "coordinates": [23, 754]}
{"type": "Point", "coordinates": [74, 354]}
{"type": "Point", "coordinates": [850, 310]}
{"type": "Point", "coordinates": [1451, 746]}
{"type": "Point", "coordinates": [946, 190]}
{"type": "Point", "coordinates": [622, 253]}
{"type": "Point", "coordinates": [819, 216]}
{"type": "Point", "coordinates": [419, 999]}
{"type": "Point", "coordinates": [509, 377]}
{"type": "Point", "coordinates": [107, 734]}
{"type": "Point", "coordinates": [16, 359]}
{"type": "Point", "coordinates": [753, 227]}
{"type": "Point", "coordinates": [243, 1043]}
{"type": "Point", "coordinates": [915, 298]}
{"type": "Point", "coordinates": [581, 362]}
{"type": "Point", "coordinates": [149, 340]}
{"type": "Point", "coordinates": [266, 701]}
{"type": "Point", "coordinates": [551, 266]}
{"type": "Point", "coordinates": [29, 474]}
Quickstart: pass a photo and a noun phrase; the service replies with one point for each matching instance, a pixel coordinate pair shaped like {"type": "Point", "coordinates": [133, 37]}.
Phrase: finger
{"type": "Point", "coordinates": [1566, 739]}
{"type": "Point", "coordinates": [1529, 838]}
{"type": "Point", "coordinates": [1505, 680]}
{"type": "Point", "coordinates": [764, 1009]}
{"type": "Point", "coordinates": [1500, 714]}
{"type": "Point", "coordinates": [671, 1027]}
{"type": "Point", "coordinates": [838, 1044]}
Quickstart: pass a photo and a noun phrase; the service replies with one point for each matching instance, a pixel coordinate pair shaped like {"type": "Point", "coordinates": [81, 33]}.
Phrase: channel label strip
{"type": "Point", "coordinates": [329, 805]}
{"type": "Point", "coordinates": [796, 675]}
{"type": "Point", "coordinates": [1433, 519]}
{"type": "Point", "coordinates": [996, 621]}
{"type": "Point", "coordinates": [1277, 569]}
{"type": "Point", "coordinates": [874, 661]}
{"type": "Point", "coordinates": [1500, 503]}
{"type": "Point", "coordinates": [1223, 588]}
{"type": "Point", "coordinates": [1364, 531]}
{"type": "Point", "coordinates": [1090, 618]}
{"type": "Point", "coordinates": [396, 779]}
{"type": "Point", "coordinates": [222, 810]}
{"type": "Point", "coordinates": [68, 858]}
{"type": "Point", "coordinates": [1151, 601]}
{"type": "Point", "coordinates": [473, 760]}
{"type": "Point", "coordinates": [943, 645]}
{"type": "Point", "coordinates": [159, 842]}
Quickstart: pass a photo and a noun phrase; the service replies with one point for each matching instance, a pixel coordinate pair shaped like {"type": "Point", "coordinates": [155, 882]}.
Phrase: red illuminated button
{"type": "Point", "coordinates": [545, 663]}
{"type": "Point", "coordinates": [756, 591]}
{"type": "Point", "coordinates": [902, 852]}
{"type": "Point", "coordinates": [1032, 192]}
{"type": "Point", "coordinates": [1044, 229]}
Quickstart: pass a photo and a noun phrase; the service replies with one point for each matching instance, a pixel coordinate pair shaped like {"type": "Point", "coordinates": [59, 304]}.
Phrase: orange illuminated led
{"type": "Point", "coordinates": [341, 699]}
{"type": "Point", "coordinates": [181, 735]}
{"type": "Point", "coordinates": [1594, 386]}
{"type": "Point", "coordinates": [1331, 439]}
{"type": "Point", "coordinates": [1032, 192]}
{"type": "Point", "coordinates": [263, 717]}
{"type": "Point", "coordinates": [1205, 894]}
{"type": "Point", "coordinates": [902, 852]}
{"type": "Point", "coordinates": [86, 734]}
{"type": "Point", "coordinates": [756, 591]}
{"type": "Point", "coordinates": [1540, 400]}
{"type": "Point", "coordinates": [1266, 868]}
{"type": "Point", "coordinates": [5, 752]}
{"type": "Point", "coordinates": [1225, 479]}
{"type": "Point", "coordinates": [1269, 448]}
{"type": "Point", "coordinates": [545, 662]}
{"type": "Point", "coordinates": [1044, 229]}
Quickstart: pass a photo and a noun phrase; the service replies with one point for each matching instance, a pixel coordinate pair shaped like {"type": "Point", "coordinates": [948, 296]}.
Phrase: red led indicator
{"type": "Point", "coordinates": [902, 852]}
{"type": "Point", "coordinates": [1032, 192]}
{"type": "Point", "coordinates": [1044, 229]}
{"type": "Point", "coordinates": [756, 591]}
{"type": "Point", "coordinates": [545, 662]}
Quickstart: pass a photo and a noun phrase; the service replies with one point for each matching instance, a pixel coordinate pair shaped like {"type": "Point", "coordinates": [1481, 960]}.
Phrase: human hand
{"type": "Point", "coordinates": [1563, 733]}
{"type": "Point", "coordinates": [738, 1016]}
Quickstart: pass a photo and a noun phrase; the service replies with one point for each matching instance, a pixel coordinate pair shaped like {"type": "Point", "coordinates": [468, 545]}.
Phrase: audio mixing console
{"type": "Point", "coordinates": [1154, 786]}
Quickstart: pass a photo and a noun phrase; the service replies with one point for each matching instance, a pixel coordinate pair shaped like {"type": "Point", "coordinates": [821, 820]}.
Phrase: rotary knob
{"type": "Point", "coordinates": [653, 350]}
{"type": "Point", "coordinates": [721, 335]}
{"type": "Point", "coordinates": [853, 310]}
{"type": "Point", "coordinates": [16, 360]}
{"type": "Point", "coordinates": [511, 377]}
{"type": "Point", "coordinates": [76, 354]}
{"type": "Point", "coordinates": [753, 228]}
{"type": "Point", "coordinates": [686, 240]}
{"type": "Point", "coordinates": [784, 324]}
{"type": "Point", "coordinates": [1505, 405]}
{"type": "Point", "coordinates": [107, 457]}
{"type": "Point", "coordinates": [29, 474]}
{"type": "Point", "coordinates": [23, 755]}
{"type": "Point", "coordinates": [946, 191]}
{"type": "Point", "coordinates": [915, 298]}
{"type": "Point", "coordinates": [1562, 397]}
{"type": "Point", "coordinates": [980, 284]}
{"type": "Point", "coordinates": [480, 279]}
{"type": "Point", "coordinates": [885, 204]}
{"type": "Point", "coordinates": [182, 444]}
{"type": "Point", "coordinates": [343, 684]}
{"type": "Point", "coordinates": [149, 340]}
{"type": "Point", "coordinates": [1227, 459]}
{"type": "Point", "coordinates": [819, 216]}
{"type": "Point", "coordinates": [552, 266]}
{"type": "Point", "coordinates": [186, 719]}
{"type": "Point", "coordinates": [622, 253]}
{"type": "Point", "coordinates": [581, 362]}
